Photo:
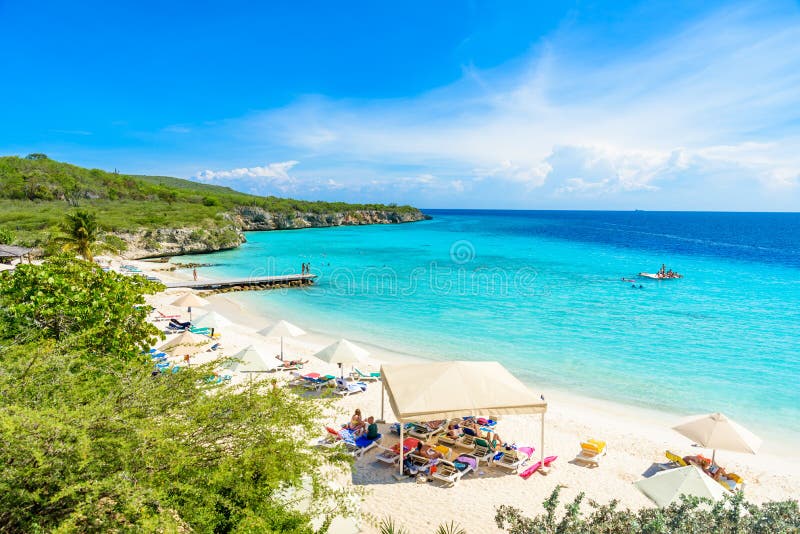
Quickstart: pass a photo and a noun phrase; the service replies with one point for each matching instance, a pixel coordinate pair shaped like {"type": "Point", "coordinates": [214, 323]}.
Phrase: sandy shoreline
{"type": "Point", "coordinates": [637, 438]}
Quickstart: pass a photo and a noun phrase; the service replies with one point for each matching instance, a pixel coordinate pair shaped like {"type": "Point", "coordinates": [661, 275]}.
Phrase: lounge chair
{"type": "Point", "coordinates": [445, 439]}
{"type": "Point", "coordinates": [290, 365]}
{"type": "Point", "coordinates": [357, 446]}
{"type": "Point", "coordinates": [731, 482]}
{"type": "Point", "coordinates": [175, 324]}
{"type": "Point", "coordinates": [344, 388]}
{"type": "Point", "coordinates": [483, 451]}
{"type": "Point", "coordinates": [330, 438]}
{"type": "Point", "coordinates": [202, 331]}
{"type": "Point", "coordinates": [444, 451]}
{"type": "Point", "coordinates": [368, 377]}
{"type": "Point", "coordinates": [427, 430]}
{"type": "Point", "coordinates": [392, 455]}
{"type": "Point", "coordinates": [675, 459]}
{"type": "Point", "coordinates": [513, 459]}
{"type": "Point", "coordinates": [592, 451]}
{"type": "Point", "coordinates": [467, 439]}
{"type": "Point", "coordinates": [418, 463]}
{"type": "Point", "coordinates": [535, 467]}
{"type": "Point", "coordinates": [316, 382]}
{"type": "Point", "coordinates": [451, 472]}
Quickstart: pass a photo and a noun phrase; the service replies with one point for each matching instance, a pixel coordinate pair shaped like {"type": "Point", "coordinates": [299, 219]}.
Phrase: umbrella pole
{"type": "Point", "coordinates": [713, 456]}
{"type": "Point", "coordinates": [281, 348]}
{"type": "Point", "coordinates": [401, 449]}
{"type": "Point", "coordinates": [541, 449]}
{"type": "Point", "coordinates": [382, 397]}
{"type": "Point", "coordinates": [190, 314]}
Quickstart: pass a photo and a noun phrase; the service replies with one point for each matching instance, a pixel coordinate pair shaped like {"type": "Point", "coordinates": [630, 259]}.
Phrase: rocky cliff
{"type": "Point", "coordinates": [255, 218]}
{"type": "Point", "coordinates": [177, 241]}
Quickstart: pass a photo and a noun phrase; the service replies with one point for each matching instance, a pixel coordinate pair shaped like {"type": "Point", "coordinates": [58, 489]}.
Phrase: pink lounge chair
{"type": "Point", "coordinates": [535, 467]}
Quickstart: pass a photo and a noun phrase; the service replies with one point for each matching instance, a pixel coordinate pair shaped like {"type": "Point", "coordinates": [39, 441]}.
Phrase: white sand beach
{"type": "Point", "coordinates": [636, 438]}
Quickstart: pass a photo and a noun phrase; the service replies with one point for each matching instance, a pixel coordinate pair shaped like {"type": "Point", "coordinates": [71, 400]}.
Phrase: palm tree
{"type": "Point", "coordinates": [81, 233]}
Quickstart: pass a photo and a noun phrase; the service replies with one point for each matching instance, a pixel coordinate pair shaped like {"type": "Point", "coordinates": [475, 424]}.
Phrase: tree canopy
{"type": "Point", "coordinates": [93, 442]}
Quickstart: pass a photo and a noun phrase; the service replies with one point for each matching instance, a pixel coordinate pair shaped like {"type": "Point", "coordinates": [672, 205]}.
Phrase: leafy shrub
{"type": "Point", "coordinates": [691, 514]}
{"type": "Point", "coordinates": [7, 237]}
{"type": "Point", "coordinates": [210, 201]}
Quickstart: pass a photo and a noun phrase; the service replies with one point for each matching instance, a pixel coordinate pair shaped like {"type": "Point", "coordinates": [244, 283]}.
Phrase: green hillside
{"type": "Point", "coordinates": [35, 193]}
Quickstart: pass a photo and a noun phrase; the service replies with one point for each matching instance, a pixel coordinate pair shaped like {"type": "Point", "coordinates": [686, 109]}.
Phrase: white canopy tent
{"type": "Point", "coordinates": [444, 390]}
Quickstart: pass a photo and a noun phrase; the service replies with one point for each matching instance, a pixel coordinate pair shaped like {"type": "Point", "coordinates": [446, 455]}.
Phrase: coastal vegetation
{"type": "Point", "coordinates": [700, 516]}
{"type": "Point", "coordinates": [93, 442]}
{"type": "Point", "coordinates": [144, 211]}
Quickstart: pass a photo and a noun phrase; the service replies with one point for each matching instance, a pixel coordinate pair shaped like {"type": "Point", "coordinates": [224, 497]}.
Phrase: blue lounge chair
{"type": "Point", "coordinates": [371, 377]}
{"type": "Point", "coordinates": [344, 388]}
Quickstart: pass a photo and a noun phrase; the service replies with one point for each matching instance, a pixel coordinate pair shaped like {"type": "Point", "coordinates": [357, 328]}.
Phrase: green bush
{"type": "Point", "coordinates": [210, 201]}
{"type": "Point", "coordinates": [691, 514]}
{"type": "Point", "coordinates": [7, 237]}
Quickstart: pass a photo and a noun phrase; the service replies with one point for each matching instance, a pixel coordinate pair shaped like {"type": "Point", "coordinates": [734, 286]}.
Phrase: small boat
{"type": "Point", "coordinates": [656, 276]}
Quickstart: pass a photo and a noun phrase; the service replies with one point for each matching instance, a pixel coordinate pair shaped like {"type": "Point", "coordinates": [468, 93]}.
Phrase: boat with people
{"type": "Point", "coordinates": [662, 274]}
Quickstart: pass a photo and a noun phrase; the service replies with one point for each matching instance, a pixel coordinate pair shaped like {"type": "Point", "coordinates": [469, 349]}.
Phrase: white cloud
{"type": "Point", "coordinates": [280, 171]}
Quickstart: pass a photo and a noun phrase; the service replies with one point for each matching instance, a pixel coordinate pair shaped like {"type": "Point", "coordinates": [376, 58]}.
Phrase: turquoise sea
{"type": "Point", "coordinates": [543, 293]}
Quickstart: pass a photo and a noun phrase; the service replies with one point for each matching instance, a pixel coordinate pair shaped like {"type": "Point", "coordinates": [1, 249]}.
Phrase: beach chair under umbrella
{"type": "Point", "coordinates": [282, 329]}
{"type": "Point", "coordinates": [716, 431]}
{"type": "Point", "coordinates": [342, 352]}
{"type": "Point", "coordinates": [212, 320]}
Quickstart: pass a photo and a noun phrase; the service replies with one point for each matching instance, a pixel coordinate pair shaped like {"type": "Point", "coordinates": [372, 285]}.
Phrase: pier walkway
{"type": "Point", "coordinates": [252, 282]}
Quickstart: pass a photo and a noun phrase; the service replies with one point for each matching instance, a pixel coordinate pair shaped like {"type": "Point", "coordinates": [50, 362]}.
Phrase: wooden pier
{"type": "Point", "coordinates": [244, 284]}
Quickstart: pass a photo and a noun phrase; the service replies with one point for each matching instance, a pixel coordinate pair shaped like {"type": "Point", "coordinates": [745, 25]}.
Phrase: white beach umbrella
{"type": "Point", "coordinates": [251, 360]}
{"type": "Point", "coordinates": [185, 343]}
{"type": "Point", "coordinates": [667, 486]}
{"type": "Point", "coordinates": [212, 320]}
{"type": "Point", "coordinates": [188, 301]}
{"type": "Point", "coordinates": [342, 352]}
{"type": "Point", "coordinates": [282, 329]}
{"type": "Point", "coordinates": [716, 431]}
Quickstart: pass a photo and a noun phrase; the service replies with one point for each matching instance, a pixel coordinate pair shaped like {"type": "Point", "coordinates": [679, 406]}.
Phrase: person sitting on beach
{"type": "Point", "coordinates": [372, 428]}
{"type": "Point", "coordinates": [356, 424]}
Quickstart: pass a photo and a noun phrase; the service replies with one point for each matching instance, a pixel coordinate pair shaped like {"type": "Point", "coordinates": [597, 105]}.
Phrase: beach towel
{"type": "Point", "coordinates": [535, 467]}
{"type": "Point", "coordinates": [468, 460]}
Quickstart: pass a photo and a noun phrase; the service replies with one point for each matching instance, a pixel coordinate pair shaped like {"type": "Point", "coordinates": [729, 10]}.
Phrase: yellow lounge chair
{"type": "Point", "coordinates": [674, 458]}
{"type": "Point", "coordinates": [592, 451]}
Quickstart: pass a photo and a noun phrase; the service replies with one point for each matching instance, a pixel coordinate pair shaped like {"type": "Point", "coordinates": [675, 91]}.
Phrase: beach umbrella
{"type": "Point", "coordinates": [188, 300]}
{"type": "Point", "coordinates": [342, 352]}
{"type": "Point", "coordinates": [185, 343]}
{"type": "Point", "coordinates": [282, 329]}
{"type": "Point", "coordinates": [251, 360]}
{"type": "Point", "coordinates": [667, 486]}
{"type": "Point", "coordinates": [212, 320]}
{"type": "Point", "coordinates": [716, 431]}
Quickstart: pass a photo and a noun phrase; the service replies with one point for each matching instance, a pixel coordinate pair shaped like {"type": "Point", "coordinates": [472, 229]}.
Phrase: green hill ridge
{"type": "Point", "coordinates": [158, 215]}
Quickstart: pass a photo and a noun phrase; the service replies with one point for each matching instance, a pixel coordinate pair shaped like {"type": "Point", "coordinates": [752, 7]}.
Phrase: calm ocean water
{"type": "Point", "coordinates": [543, 293]}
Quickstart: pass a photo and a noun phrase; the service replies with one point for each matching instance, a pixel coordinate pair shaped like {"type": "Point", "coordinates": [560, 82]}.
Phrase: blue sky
{"type": "Point", "coordinates": [577, 105]}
